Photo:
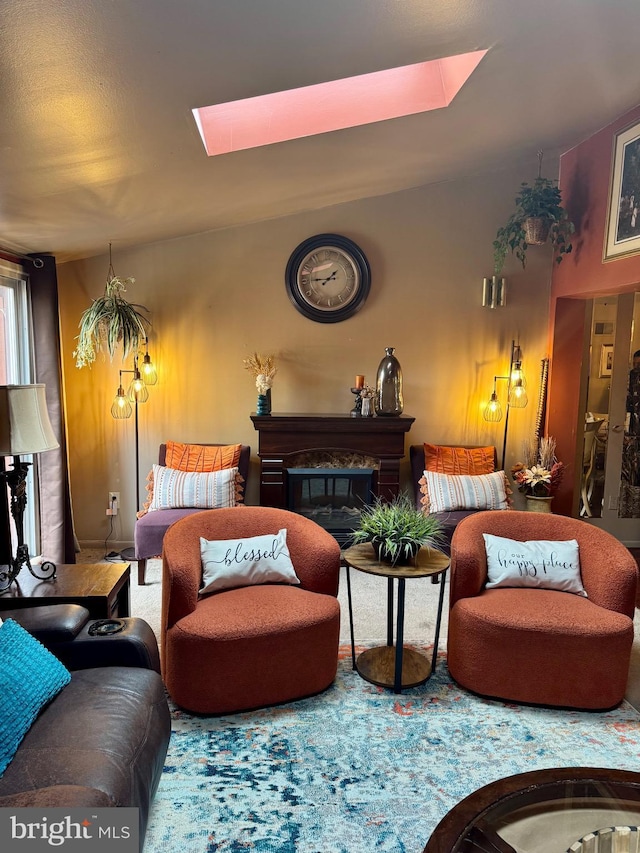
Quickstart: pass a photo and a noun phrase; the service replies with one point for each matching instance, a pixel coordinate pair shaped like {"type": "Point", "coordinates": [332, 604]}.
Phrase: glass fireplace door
{"type": "Point", "coordinates": [332, 497]}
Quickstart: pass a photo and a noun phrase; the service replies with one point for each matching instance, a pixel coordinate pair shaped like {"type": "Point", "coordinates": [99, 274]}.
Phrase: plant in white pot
{"type": "Point", "coordinates": [539, 218]}
{"type": "Point", "coordinates": [397, 529]}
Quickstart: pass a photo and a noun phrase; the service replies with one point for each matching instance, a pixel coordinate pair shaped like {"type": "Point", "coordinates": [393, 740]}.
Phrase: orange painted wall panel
{"type": "Point", "coordinates": [585, 174]}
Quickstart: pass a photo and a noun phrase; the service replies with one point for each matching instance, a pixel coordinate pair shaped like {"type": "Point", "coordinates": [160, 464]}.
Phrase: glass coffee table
{"type": "Point", "coordinates": [395, 666]}
{"type": "Point", "coordinates": [574, 809]}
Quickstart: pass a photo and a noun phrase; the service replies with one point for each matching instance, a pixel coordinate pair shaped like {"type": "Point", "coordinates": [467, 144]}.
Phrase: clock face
{"type": "Point", "coordinates": [328, 278]}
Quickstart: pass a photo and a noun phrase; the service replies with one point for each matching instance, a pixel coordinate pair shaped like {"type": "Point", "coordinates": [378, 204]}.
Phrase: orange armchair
{"type": "Point", "coordinates": [541, 646]}
{"type": "Point", "coordinates": [251, 646]}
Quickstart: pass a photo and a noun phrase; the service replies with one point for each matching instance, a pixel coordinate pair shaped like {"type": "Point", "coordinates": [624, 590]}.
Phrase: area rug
{"type": "Point", "coordinates": [360, 769]}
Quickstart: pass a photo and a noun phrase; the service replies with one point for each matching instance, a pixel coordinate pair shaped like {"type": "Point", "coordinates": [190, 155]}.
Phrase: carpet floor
{"type": "Point", "coordinates": [358, 769]}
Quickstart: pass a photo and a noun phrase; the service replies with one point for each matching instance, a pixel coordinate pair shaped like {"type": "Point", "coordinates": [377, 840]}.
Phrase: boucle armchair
{"type": "Point", "coordinates": [250, 646]}
{"type": "Point", "coordinates": [542, 646]}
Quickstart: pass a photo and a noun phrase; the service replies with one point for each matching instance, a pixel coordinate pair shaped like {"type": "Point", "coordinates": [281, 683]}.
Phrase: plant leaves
{"type": "Point", "coordinates": [108, 322]}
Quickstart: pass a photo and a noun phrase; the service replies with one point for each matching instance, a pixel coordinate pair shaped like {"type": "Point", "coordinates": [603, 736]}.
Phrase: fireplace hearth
{"type": "Point", "coordinates": [287, 443]}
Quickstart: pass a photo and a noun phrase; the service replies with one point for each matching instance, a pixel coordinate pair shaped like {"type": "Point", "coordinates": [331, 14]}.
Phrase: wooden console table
{"type": "Point", "coordinates": [103, 588]}
{"type": "Point", "coordinates": [282, 436]}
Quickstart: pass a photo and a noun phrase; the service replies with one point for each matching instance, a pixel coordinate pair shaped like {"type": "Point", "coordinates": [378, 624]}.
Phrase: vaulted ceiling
{"type": "Point", "coordinates": [98, 142]}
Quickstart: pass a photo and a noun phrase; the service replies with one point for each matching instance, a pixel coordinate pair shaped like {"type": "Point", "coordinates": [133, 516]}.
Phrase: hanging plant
{"type": "Point", "coordinates": [539, 217]}
{"type": "Point", "coordinates": [111, 321]}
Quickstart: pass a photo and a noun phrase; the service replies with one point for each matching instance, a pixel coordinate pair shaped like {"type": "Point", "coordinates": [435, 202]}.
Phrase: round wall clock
{"type": "Point", "coordinates": [328, 278]}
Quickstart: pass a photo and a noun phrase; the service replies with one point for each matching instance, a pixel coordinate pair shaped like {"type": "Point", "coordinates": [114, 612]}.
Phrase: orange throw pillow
{"type": "Point", "coordinates": [202, 457]}
{"type": "Point", "coordinates": [459, 460]}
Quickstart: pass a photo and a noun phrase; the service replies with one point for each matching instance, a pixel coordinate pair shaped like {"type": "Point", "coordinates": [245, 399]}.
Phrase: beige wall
{"type": "Point", "coordinates": [217, 297]}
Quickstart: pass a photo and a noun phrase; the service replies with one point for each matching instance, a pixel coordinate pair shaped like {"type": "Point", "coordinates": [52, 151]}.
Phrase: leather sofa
{"type": "Point", "coordinates": [102, 741]}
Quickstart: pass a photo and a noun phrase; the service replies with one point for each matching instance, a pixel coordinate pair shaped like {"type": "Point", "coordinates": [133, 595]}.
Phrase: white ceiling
{"type": "Point", "coordinates": [98, 143]}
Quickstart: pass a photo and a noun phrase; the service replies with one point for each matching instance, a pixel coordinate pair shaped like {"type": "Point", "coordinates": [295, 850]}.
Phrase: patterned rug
{"type": "Point", "coordinates": [358, 768]}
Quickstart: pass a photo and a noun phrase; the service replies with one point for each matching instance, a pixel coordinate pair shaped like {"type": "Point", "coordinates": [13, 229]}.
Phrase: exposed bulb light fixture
{"type": "Point", "coordinates": [517, 385]}
{"type": "Point", "coordinates": [138, 391]}
{"type": "Point", "coordinates": [149, 373]}
{"type": "Point", "coordinates": [493, 409]}
{"type": "Point", "coordinates": [121, 407]}
{"type": "Point", "coordinates": [516, 394]}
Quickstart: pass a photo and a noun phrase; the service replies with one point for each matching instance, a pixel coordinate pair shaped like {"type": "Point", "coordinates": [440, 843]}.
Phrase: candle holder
{"type": "Point", "coordinates": [356, 412]}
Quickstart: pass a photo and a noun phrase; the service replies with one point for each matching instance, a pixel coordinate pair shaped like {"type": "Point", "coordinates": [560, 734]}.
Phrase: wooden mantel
{"type": "Point", "coordinates": [281, 436]}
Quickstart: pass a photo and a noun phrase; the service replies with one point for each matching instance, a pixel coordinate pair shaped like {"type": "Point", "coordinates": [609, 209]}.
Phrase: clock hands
{"type": "Point", "coordinates": [325, 280]}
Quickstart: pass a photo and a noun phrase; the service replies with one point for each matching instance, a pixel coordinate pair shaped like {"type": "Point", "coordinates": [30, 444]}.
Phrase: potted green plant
{"type": "Point", "coordinates": [397, 529]}
{"type": "Point", "coordinates": [110, 321]}
{"type": "Point", "coordinates": [539, 217]}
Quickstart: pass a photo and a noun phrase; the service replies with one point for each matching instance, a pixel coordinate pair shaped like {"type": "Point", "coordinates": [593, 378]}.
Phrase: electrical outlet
{"type": "Point", "coordinates": [114, 503]}
{"type": "Point", "coordinates": [613, 502]}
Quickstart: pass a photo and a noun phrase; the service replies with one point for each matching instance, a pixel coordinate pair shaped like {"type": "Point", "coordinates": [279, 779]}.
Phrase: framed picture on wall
{"type": "Point", "coordinates": [622, 234]}
{"type": "Point", "coordinates": [606, 360]}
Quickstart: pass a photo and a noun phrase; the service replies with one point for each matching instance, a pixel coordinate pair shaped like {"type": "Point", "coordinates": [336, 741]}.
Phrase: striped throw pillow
{"type": "Point", "coordinates": [173, 489]}
{"type": "Point", "coordinates": [449, 492]}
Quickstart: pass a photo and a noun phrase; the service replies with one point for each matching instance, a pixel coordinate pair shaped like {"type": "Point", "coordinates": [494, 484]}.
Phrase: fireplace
{"type": "Point", "coordinates": [332, 497]}
{"type": "Point", "coordinates": [287, 441]}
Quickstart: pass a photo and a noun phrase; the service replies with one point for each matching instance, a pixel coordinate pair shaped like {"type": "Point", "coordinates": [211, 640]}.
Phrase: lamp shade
{"type": "Point", "coordinates": [24, 421]}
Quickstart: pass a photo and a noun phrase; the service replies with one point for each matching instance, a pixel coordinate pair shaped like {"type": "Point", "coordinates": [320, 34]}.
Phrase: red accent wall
{"type": "Point", "coordinates": [585, 174]}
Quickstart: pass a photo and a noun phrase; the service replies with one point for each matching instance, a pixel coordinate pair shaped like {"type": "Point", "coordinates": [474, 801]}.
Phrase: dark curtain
{"type": "Point", "coordinates": [56, 520]}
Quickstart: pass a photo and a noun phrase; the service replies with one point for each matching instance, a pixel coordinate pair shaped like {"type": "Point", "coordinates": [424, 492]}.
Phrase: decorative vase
{"type": "Point", "coordinates": [388, 399]}
{"type": "Point", "coordinates": [264, 403]}
{"type": "Point", "coordinates": [535, 504]}
{"type": "Point", "coordinates": [536, 229]}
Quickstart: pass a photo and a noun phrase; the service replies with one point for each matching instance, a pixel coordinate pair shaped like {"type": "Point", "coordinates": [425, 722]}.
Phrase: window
{"type": "Point", "coordinates": [16, 364]}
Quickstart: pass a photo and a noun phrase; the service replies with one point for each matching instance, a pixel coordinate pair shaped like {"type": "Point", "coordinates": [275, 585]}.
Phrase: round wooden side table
{"type": "Point", "coordinates": [395, 666]}
{"type": "Point", "coordinates": [542, 810]}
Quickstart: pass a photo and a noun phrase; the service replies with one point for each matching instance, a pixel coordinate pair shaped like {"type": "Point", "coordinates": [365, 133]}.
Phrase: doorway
{"type": "Point", "coordinates": [610, 487]}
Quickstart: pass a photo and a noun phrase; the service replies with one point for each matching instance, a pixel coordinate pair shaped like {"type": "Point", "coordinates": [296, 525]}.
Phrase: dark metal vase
{"type": "Point", "coordinates": [388, 399]}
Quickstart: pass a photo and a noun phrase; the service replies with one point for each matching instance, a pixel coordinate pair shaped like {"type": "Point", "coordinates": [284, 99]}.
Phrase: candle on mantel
{"type": "Point", "coordinates": [359, 381]}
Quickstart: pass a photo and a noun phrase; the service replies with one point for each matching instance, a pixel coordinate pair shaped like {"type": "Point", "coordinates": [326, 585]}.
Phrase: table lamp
{"type": "Point", "coordinates": [25, 428]}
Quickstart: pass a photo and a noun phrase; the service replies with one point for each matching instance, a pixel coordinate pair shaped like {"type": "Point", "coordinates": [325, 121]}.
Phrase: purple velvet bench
{"type": "Point", "coordinates": [150, 528]}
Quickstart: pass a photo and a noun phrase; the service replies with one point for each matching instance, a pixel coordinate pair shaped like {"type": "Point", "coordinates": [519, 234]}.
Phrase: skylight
{"type": "Point", "coordinates": [335, 105]}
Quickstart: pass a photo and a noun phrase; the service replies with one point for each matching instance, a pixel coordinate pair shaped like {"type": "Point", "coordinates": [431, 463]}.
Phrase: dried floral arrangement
{"type": "Point", "coordinates": [263, 369]}
{"type": "Point", "coordinates": [540, 474]}
{"type": "Point", "coordinates": [110, 321]}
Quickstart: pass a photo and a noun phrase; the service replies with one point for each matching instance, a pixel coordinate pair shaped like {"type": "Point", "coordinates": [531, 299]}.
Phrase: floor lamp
{"type": "Point", "coordinates": [516, 395]}
{"type": "Point", "coordinates": [122, 408]}
{"type": "Point", "coordinates": [25, 429]}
